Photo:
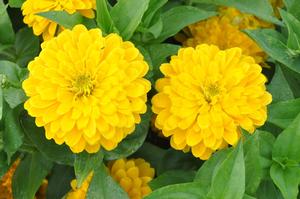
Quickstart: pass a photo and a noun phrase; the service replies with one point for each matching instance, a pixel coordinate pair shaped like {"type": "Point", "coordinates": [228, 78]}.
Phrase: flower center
{"type": "Point", "coordinates": [210, 91]}
{"type": "Point", "coordinates": [83, 85]}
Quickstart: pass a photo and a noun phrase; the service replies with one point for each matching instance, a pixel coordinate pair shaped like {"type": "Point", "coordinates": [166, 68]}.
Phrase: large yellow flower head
{"type": "Point", "coordinates": [87, 90]}
{"type": "Point", "coordinates": [207, 96]}
{"type": "Point", "coordinates": [133, 176]}
{"type": "Point", "coordinates": [48, 28]}
{"type": "Point", "coordinates": [225, 32]}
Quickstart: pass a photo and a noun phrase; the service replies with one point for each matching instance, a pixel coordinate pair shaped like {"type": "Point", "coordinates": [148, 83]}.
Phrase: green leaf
{"type": "Point", "coordinates": [1, 102]}
{"type": "Point", "coordinates": [283, 113]}
{"type": "Point", "coordinates": [12, 73]}
{"type": "Point", "coordinates": [103, 186]}
{"type": "Point", "coordinates": [63, 18]}
{"type": "Point", "coordinates": [133, 141]}
{"type": "Point", "coordinates": [293, 28]}
{"type": "Point", "coordinates": [12, 133]}
{"type": "Point", "coordinates": [260, 8]}
{"type": "Point", "coordinates": [29, 175]}
{"type": "Point", "coordinates": [7, 34]}
{"type": "Point", "coordinates": [279, 87]}
{"type": "Point", "coordinates": [104, 19]}
{"type": "Point", "coordinates": [292, 7]}
{"type": "Point", "coordinates": [4, 166]}
{"type": "Point", "coordinates": [253, 166]}
{"type": "Point", "coordinates": [27, 46]}
{"type": "Point", "coordinates": [14, 96]}
{"type": "Point", "coordinates": [293, 79]}
{"type": "Point", "coordinates": [271, 42]}
{"type": "Point", "coordinates": [286, 179]}
{"type": "Point", "coordinates": [287, 143]}
{"type": "Point", "coordinates": [85, 163]}
{"type": "Point", "coordinates": [15, 3]}
{"type": "Point", "coordinates": [179, 17]}
{"type": "Point", "coordinates": [267, 190]}
{"type": "Point", "coordinates": [172, 177]}
{"type": "Point", "coordinates": [190, 190]}
{"type": "Point", "coordinates": [57, 153]}
{"type": "Point", "coordinates": [265, 141]}
{"type": "Point", "coordinates": [127, 15]}
{"type": "Point", "coordinates": [59, 181]}
{"type": "Point", "coordinates": [205, 173]}
{"type": "Point", "coordinates": [229, 179]}
{"type": "Point", "coordinates": [153, 8]}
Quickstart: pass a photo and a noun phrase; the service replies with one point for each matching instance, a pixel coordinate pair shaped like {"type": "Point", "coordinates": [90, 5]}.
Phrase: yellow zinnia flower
{"type": "Point", "coordinates": [225, 32]}
{"type": "Point", "coordinates": [207, 96]}
{"type": "Point", "coordinates": [87, 90]}
{"type": "Point", "coordinates": [133, 176]}
{"type": "Point", "coordinates": [48, 28]}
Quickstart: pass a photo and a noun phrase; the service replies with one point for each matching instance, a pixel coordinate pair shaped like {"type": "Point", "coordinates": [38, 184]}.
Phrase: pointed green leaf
{"type": "Point", "coordinates": [63, 18]}
{"type": "Point", "coordinates": [104, 19]}
{"type": "Point", "coordinates": [29, 175]}
{"type": "Point", "coordinates": [283, 113]}
{"type": "Point", "coordinates": [127, 15]}
{"type": "Point", "coordinates": [103, 186]}
{"type": "Point", "coordinates": [271, 42]}
{"type": "Point", "coordinates": [287, 143]}
{"type": "Point", "coordinates": [27, 46]}
{"type": "Point", "coordinates": [279, 87]}
{"type": "Point", "coordinates": [293, 25]}
{"type": "Point", "coordinates": [85, 163]}
{"type": "Point", "coordinates": [12, 133]}
{"type": "Point", "coordinates": [229, 179]}
{"type": "Point", "coordinates": [205, 174]}
{"type": "Point", "coordinates": [179, 17]}
{"type": "Point", "coordinates": [7, 34]}
{"type": "Point", "coordinates": [286, 179]}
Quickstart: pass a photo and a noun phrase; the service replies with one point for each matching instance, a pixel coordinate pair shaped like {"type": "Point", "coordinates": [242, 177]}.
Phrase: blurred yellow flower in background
{"type": "Point", "coordinates": [87, 90]}
{"type": "Point", "coordinates": [207, 96]}
{"type": "Point", "coordinates": [224, 31]}
{"type": "Point", "coordinates": [48, 28]}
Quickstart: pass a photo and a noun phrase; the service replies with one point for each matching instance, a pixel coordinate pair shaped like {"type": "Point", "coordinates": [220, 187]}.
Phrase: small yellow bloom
{"type": "Point", "coordinates": [48, 28]}
{"type": "Point", "coordinates": [207, 96]}
{"type": "Point", "coordinates": [87, 90]}
{"type": "Point", "coordinates": [79, 193]}
{"type": "Point", "coordinates": [133, 176]}
{"type": "Point", "coordinates": [225, 32]}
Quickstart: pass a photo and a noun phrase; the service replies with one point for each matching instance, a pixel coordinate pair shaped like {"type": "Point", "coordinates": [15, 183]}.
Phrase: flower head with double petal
{"type": "Point", "coordinates": [87, 90]}
{"type": "Point", "coordinates": [207, 96]}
